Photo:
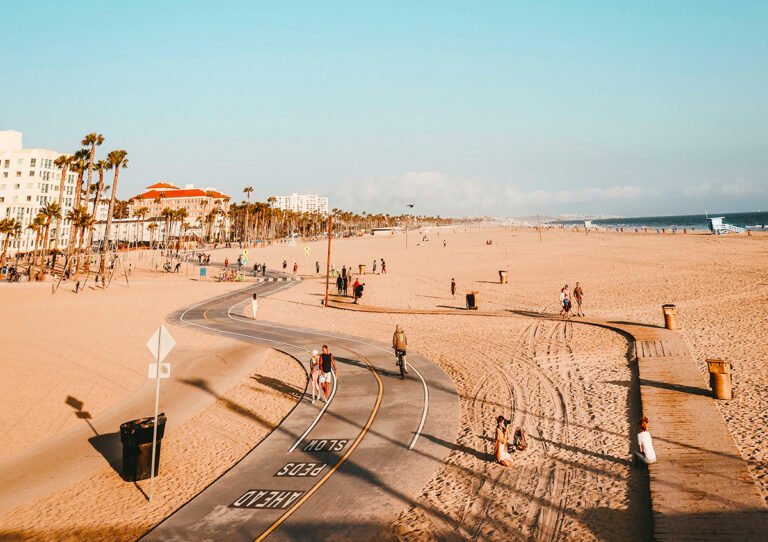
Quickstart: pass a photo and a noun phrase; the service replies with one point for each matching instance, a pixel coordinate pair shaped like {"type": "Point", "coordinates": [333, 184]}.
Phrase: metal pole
{"type": "Point", "coordinates": [406, 233]}
{"type": "Point", "coordinates": [538, 222]}
{"type": "Point", "coordinates": [157, 405]}
{"type": "Point", "coordinates": [328, 265]}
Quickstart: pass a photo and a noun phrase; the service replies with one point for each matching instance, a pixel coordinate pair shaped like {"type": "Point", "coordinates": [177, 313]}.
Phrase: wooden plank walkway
{"type": "Point", "coordinates": [701, 488]}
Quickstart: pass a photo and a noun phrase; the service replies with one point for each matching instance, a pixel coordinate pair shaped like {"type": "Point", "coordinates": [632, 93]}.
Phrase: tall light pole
{"type": "Point", "coordinates": [328, 264]}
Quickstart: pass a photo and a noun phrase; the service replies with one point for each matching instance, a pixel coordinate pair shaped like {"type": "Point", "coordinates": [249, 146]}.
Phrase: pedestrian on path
{"type": "Point", "coordinates": [254, 306]}
{"type": "Point", "coordinates": [344, 284]}
{"type": "Point", "coordinates": [339, 284]}
{"type": "Point", "coordinates": [344, 271]}
{"type": "Point", "coordinates": [383, 267]}
{"type": "Point", "coordinates": [502, 437]}
{"type": "Point", "coordinates": [317, 267]}
{"type": "Point", "coordinates": [285, 264]}
{"type": "Point", "coordinates": [578, 295]}
{"type": "Point", "coordinates": [374, 266]}
{"type": "Point", "coordinates": [226, 263]}
{"type": "Point", "coordinates": [355, 289]}
{"type": "Point", "coordinates": [453, 288]}
{"type": "Point", "coordinates": [295, 268]}
{"type": "Point", "coordinates": [263, 270]}
{"type": "Point", "coordinates": [328, 364]}
{"type": "Point", "coordinates": [315, 373]}
{"type": "Point", "coordinates": [646, 454]}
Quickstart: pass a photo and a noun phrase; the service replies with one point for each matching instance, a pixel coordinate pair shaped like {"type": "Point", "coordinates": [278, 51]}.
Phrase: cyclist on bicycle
{"type": "Point", "coordinates": [400, 344]}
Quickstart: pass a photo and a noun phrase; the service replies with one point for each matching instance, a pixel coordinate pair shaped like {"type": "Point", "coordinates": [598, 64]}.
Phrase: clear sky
{"type": "Point", "coordinates": [502, 108]}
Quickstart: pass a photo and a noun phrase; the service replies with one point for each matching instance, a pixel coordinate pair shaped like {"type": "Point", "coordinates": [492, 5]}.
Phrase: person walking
{"type": "Point", "coordinates": [453, 289]}
{"type": "Point", "coordinates": [646, 454]}
{"type": "Point", "coordinates": [315, 372]}
{"type": "Point", "coordinates": [565, 302]}
{"type": "Point", "coordinates": [502, 437]}
{"type": "Point", "coordinates": [374, 266]}
{"type": "Point", "coordinates": [226, 263]}
{"type": "Point", "coordinates": [254, 306]}
{"type": "Point", "coordinates": [285, 264]}
{"type": "Point", "coordinates": [578, 295]}
{"type": "Point", "coordinates": [339, 284]}
{"type": "Point", "coordinates": [383, 267]}
{"type": "Point", "coordinates": [327, 364]}
{"type": "Point", "coordinates": [344, 272]}
{"type": "Point", "coordinates": [295, 268]}
{"type": "Point", "coordinates": [317, 267]}
{"type": "Point", "coordinates": [344, 284]}
{"type": "Point", "coordinates": [355, 289]}
{"type": "Point", "coordinates": [264, 270]}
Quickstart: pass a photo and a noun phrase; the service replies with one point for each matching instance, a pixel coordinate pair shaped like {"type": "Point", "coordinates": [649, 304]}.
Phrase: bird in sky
{"type": "Point", "coordinates": [409, 205]}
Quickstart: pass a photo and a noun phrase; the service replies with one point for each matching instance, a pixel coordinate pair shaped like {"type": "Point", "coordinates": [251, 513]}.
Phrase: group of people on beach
{"type": "Point", "coordinates": [344, 279]}
{"type": "Point", "coordinates": [566, 306]}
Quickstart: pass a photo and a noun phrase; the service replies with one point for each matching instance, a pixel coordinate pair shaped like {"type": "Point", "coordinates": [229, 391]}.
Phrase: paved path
{"type": "Point", "coordinates": [701, 488]}
{"type": "Point", "coordinates": [335, 471]}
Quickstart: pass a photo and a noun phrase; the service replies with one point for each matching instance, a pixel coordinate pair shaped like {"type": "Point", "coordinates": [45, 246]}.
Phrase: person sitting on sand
{"type": "Point", "coordinates": [502, 437]}
{"type": "Point", "coordinates": [646, 454]}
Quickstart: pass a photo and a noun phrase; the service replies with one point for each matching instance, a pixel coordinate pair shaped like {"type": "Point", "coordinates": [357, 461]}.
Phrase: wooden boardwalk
{"type": "Point", "coordinates": [701, 488]}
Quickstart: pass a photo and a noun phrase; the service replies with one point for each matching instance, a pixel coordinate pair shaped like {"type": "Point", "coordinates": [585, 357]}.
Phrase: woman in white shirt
{"type": "Point", "coordinates": [646, 455]}
{"type": "Point", "coordinates": [254, 305]}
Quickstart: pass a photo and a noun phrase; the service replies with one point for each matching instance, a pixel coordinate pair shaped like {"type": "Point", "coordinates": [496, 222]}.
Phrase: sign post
{"type": "Point", "coordinates": [306, 259]}
{"type": "Point", "coordinates": [159, 344]}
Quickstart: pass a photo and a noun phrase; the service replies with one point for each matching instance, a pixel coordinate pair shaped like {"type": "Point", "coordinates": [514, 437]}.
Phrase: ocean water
{"type": "Point", "coordinates": [752, 221]}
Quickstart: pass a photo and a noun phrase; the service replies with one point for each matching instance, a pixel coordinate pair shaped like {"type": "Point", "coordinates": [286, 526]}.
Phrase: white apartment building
{"type": "Point", "coordinates": [302, 204]}
{"type": "Point", "coordinates": [28, 181]}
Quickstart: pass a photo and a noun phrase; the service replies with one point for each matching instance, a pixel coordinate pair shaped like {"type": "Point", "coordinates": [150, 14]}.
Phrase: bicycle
{"type": "Point", "coordinates": [400, 354]}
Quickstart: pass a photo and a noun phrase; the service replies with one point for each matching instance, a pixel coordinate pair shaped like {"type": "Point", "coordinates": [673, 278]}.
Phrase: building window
{"type": "Point", "coordinates": [2, 199]}
{"type": "Point", "coordinates": [19, 161]}
{"type": "Point", "coordinates": [32, 162]}
{"type": "Point", "coordinates": [29, 198]}
{"type": "Point", "coordinates": [16, 186]}
{"type": "Point", "coordinates": [18, 173]}
{"type": "Point", "coordinates": [7, 163]}
{"type": "Point", "coordinates": [5, 174]}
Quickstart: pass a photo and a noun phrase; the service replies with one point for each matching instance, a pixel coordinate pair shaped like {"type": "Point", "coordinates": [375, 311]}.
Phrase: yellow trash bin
{"type": "Point", "coordinates": [720, 381]}
{"type": "Point", "coordinates": [670, 316]}
{"type": "Point", "coordinates": [362, 269]}
{"type": "Point", "coordinates": [502, 277]}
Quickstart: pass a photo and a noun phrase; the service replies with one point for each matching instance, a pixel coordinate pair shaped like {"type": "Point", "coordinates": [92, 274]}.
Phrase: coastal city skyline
{"type": "Point", "coordinates": [579, 109]}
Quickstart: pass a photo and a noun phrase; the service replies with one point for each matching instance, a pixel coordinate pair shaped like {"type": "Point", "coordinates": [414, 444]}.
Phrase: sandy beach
{"type": "Point", "coordinates": [572, 388]}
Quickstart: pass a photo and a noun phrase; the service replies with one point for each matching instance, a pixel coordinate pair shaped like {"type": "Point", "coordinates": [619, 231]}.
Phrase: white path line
{"type": "Point", "coordinates": [423, 381]}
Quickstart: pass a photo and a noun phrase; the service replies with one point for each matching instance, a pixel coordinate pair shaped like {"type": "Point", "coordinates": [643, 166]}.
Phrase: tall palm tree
{"type": "Point", "coordinates": [167, 213]}
{"type": "Point", "coordinates": [116, 160]}
{"type": "Point", "coordinates": [11, 228]}
{"type": "Point", "coordinates": [79, 165]}
{"type": "Point", "coordinates": [152, 227]}
{"type": "Point", "coordinates": [50, 212]}
{"type": "Point", "coordinates": [83, 221]}
{"type": "Point", "coordinates": [141, 212]}
{"type": "Point", "coordinates": [180, 215]}
{"type": "Point", "coordinates": [37, 226]}
{"type": "Point", "coordinates": [100, 166]}
{"type": "Point", "coordinates": [247, 190]}
{"type": "Point", "coordinates": [63, 161]}
{"type": "Point", "coordinates": [91, 139]}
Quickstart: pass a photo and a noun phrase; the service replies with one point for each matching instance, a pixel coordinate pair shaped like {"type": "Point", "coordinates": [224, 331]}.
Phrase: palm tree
{"type": "Point", "coordinates": [79, 165]}
{"type": "Point", "coordinates": [11, 228]}
{"type": "Point", "coordinates": [247, 190]}
{"type": "Point", "coordinates": [167, 213]}
{"type": "Point", "coordinates": [180, 215]}
{"type": "Point", "coordinates": [116, 160]}
{"type": "Point", "coordinates": [82, 220]}
{"type": "Point", "coordinates": [49, 212]}
{"type": "Point", "coordinates": [141, 212]}
{"type": "Point", "coordinates": [152, 227]}
{"type": "Point", "coordinates": [91, 139]}
{"type": "Point", "coordinates": [63, 161]}
{"type": "Point", "coordinates": [37, 226]}
{"type": "Point", "coordinates": [100, 166]}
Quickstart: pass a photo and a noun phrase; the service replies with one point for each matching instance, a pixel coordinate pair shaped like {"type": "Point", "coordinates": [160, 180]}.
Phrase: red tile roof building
{"type": "Point", "coordinates": [198, 202]}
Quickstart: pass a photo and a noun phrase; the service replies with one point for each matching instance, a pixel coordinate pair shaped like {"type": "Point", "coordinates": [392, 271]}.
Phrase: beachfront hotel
{"type": "Point", "coordinates": [302, 204]}
{"type": "Point", "coordinates": [199, 202]}
{"type": "Point", "coordinates": [28, 181]}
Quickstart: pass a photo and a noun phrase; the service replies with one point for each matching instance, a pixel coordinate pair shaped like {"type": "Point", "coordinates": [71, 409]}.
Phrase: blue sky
{"type": "Point", "coordinates": [502, 108]}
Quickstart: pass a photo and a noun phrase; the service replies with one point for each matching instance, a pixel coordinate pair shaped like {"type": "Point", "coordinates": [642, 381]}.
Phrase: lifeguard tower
{"type": "Point", "coordinates": [717, 227]}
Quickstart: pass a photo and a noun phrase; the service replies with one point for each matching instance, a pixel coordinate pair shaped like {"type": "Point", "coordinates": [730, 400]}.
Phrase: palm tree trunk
{"type": "Point", "coordinates": [108, 227]}
{"type": "Point", "coordinates": [60, 220]}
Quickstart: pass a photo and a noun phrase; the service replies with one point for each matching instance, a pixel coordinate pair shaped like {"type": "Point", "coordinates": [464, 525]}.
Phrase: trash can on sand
{"type": "Point", "coordinates": [720, 372]}
{"type": "Point", "coordinates": [472, 301]}
{"type": "Point", "coordinates": [670, 316]}
{"type": "Point", "coordinates": [502, 277]}
{"type": "Point", "coordinates": [362, 269]}
{"type": "Point", "coordinates": [136, 436]}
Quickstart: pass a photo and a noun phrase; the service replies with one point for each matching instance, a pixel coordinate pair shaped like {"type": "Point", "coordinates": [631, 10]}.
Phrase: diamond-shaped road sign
{"type": "Point", "coordinates": [306, 251]}
{"type": "Point", "coordinates": [160, 344]}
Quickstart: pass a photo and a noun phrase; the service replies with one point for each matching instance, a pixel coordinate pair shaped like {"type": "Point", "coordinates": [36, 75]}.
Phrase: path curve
{"type": "Point", "coordinates": [330, 471]}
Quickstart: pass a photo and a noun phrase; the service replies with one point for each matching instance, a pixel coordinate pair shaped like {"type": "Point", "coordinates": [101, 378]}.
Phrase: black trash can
{"type": "Point", "coordinates": [136, 436]}
{"type": "Point", "coordinates": [472, 301]}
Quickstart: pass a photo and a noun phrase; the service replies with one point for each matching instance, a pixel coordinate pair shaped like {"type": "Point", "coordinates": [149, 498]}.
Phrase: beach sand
{"type": "Point", "coordinates": [572, 388]}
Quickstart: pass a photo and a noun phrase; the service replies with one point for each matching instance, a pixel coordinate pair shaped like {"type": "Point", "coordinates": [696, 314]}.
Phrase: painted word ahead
{"type": "Point", "coordinates": [301, 470]}
{"type": "Point", "coordinates": [267, 499]}
{"type": "Point", "coordinates": [325, 445]}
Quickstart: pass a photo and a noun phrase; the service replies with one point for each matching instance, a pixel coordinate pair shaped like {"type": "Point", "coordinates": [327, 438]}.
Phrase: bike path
{"type": "Point", "coordinates": [335, 471]}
